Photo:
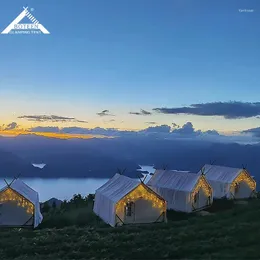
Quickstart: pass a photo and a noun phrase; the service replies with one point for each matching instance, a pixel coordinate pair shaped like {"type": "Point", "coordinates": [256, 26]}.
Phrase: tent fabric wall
{"type": "Point", "coordinates": [29, 194]}
{"type": "Point", "coordinates": [12, 215]}
{"type": "Point", "coordinates": [104, 207]}
{"type": "Point", "coordinates": [220, 178]}
{"type": "Point", "coordinates": [175, 187]}
{"type": "Point", "coordinates": [108, 195]}
{"type": "Point", "coordinates": [220, 189]}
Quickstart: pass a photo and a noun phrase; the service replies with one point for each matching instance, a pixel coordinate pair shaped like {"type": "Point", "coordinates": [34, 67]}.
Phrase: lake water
{"type": "Point", "coordinates": [64, 188]}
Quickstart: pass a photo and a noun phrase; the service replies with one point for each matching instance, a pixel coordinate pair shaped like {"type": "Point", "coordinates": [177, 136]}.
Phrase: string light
{"type": "Point", "coordinates": [243, 177]}
{"type": "Point", "coordinates": [202, 183]}
{"type": "Point", "coordinates": [142, 193]}
{"type": "Point", "coordinates": [10, 195]}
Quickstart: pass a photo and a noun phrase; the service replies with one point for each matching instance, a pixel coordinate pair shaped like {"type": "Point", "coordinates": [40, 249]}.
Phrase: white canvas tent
{"type": "Point", "coordinates": [232, 183]}
{"type": "Point", "coordinates": [183, 191]}
{"type": "Point", "coordinates": [123, 200]}
{"type": "Point", "coordinates": [19, 206]}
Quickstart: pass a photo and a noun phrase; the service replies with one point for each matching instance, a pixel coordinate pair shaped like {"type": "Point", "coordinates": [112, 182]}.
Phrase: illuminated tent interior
{"type": "Point", "coordinates": [186, 192]}
{"type": "Point", "coordinates": [123, 200]}
{"type": "Point", "coordinates": [19, 206]}
{"type": "Point", "coordinates": [232, 183]}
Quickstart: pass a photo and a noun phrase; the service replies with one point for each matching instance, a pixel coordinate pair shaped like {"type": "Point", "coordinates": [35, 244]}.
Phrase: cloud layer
{"type": "Point", "coordinates": [185, 132]}
{"type": "Point", "coordinates": [11, 126]}
{"type": "Point", "coordinates": [51, 118]}
{"type": "Point", "coordinates": [151, 123]}
{"type": "Point", "coordinates": [254, 131]}
{"type": "Point", "coordinates": [141, 113]}
{"type": "Point", "coordinates": [104, 113]}
{"type": "Point", "coordinates": [229, 110]}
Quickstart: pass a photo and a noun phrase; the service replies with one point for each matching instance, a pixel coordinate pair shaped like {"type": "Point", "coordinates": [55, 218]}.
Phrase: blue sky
{"type": "Point", "coordinates": [126, 55]}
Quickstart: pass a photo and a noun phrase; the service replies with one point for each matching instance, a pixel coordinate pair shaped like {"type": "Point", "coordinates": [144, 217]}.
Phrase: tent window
{"type": "Point", "coordinates": [128, 209]}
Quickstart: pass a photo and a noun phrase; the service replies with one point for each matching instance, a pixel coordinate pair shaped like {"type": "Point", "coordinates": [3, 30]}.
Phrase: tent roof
{"type": "Point", "coordinates": [174, 180]}
{"type": "Point", "coordinates": [117, 187]}
{"type": "Point", "coordinates": [23, 189]}
{"type": "Point", "coordinates": [221, 173]}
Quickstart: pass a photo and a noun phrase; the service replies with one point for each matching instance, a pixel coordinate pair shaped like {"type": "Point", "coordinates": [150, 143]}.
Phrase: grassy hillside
{"type": "Point", "coordinates": [230, 231]}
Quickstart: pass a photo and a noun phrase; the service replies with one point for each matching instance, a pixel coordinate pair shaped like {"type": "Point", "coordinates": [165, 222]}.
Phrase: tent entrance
{"type": "Point", "coordinates": [130, 212]}
{"type": "Point", "coordinates": [142, 211]}
{"type": "Point", "coordinates": [141, 205]}
{"type": "Point", "coordinates": [196, 200]}
{"type": "Point", "coordinates": [202, 195]}
{"type": "Point", "coordinates": [201, 200]}
{"type": "Point", "coordinates": [243, 186]}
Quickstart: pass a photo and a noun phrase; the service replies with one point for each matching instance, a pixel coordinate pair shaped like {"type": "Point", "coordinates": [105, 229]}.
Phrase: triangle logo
{"type": "Point", "coordinates": [25, 28]}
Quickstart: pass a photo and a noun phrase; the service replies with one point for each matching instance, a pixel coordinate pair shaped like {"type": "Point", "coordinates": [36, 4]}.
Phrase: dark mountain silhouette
{"type": "Point", "coordinates": [51, 202]}
{"type": "Point", "coordinates": [11, 165]}
{"type": "Point", "coordinates": [64, 158]}
{"type": "Point", "coordinates": [100, 158]}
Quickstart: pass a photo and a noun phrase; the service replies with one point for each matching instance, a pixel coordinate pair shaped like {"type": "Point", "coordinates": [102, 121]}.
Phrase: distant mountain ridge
{"type": "Point", "coordinates": [100, 158]}
{"type": "Point", "coordinates": [51, 202]}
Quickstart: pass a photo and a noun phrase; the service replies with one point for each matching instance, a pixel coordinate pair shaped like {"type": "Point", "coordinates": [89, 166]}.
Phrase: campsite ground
{"type": "Point", "coordinates": [231, 231]}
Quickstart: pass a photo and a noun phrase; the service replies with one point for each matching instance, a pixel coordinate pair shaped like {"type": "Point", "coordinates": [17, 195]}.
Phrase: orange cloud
{"type": "Point", "coordinates": [50, 135]}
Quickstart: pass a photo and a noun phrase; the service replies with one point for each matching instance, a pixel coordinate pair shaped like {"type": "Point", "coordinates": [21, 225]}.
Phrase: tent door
{"type": "Point", "coordinates": [130, 212]}
{"type": "Point", "coordinates": [196, 200]}
{"type": "Point", "coordinates": [236, 189]}
{"type": "Point", "coordinates": [208, 201]}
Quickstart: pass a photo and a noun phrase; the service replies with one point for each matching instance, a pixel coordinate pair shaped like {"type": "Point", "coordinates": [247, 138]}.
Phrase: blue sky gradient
{"type": "Point", "coordinates": [127, 55]}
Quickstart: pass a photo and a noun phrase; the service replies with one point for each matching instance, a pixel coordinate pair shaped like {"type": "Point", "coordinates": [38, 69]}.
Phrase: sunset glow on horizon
{"type": "Point", "coordinates": [13, 133]}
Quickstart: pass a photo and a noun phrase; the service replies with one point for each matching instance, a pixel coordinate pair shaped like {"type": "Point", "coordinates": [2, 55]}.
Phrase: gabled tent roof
{"type": "Point", "coordinates": [174, 180]}
{"type": "Point", "coordinates": [23, 189]}
{"type": "Point", "coordinates": [221, 173]}
{"type": "Point", "coordinates": [117, 187]}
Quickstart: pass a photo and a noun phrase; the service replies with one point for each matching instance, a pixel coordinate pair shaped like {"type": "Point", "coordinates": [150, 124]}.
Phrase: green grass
{"type": "Point", "coordinates": [232, 232]}
{"type": "Point", "coordinates": [83, 216]}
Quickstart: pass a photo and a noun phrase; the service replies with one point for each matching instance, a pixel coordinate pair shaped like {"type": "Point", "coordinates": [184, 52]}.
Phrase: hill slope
{"type": "Point", "coordinates": [229, 234]}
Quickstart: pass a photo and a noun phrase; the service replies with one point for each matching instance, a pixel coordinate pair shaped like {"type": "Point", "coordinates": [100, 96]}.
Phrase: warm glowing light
{"type": "Point", "coordinates": [243, 176]}
{"type": "Point", "coordinates": [202, 183]}
{"type": "Point", "coordinates": [142, 193]}
{"type": "Point", "coordinates": [10, 195]}
{"type": "Point", "coordinates": [51, 135]}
